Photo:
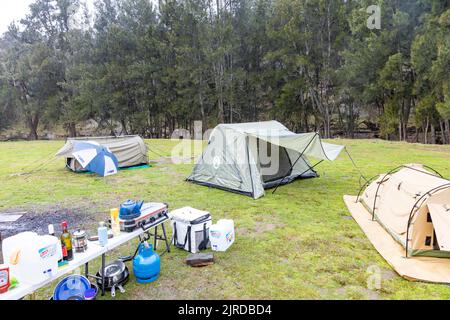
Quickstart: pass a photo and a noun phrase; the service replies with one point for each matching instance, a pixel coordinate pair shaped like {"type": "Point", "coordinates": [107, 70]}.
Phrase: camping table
{"type": "Point", "coordinates": [93, 251]}
{"type": "Point", "coordinates": [125, 237]}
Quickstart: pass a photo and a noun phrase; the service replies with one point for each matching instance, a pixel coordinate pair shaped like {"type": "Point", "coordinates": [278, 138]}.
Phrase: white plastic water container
{"type": "Point", "coordinates": [32, 258]}
{"type": "Point", "coordinates": [222, 235]}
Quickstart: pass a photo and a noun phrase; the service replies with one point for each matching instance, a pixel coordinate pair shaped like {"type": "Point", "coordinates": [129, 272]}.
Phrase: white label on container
{"type": "Point", "coordinates": [47, 252]}
{"type": "Point", "coordinates": [216, 234]}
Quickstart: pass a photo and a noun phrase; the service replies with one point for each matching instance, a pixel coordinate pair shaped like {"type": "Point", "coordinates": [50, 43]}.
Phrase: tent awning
{"type": "Point", "coordinates": [308, 144]}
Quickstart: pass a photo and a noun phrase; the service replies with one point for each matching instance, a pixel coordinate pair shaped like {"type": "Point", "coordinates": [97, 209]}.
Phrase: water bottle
{"type": "Point", "coordinates": [102, 234]}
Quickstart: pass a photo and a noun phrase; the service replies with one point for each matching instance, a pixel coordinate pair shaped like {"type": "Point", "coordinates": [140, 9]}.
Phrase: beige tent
{"type": "Point", "coordinates": [129, 150]}
{"type": "Point", "coordinates": [411, 204]}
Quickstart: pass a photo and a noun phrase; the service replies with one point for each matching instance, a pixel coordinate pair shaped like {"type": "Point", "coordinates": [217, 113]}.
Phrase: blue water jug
{"type": "Point", "coordinates": [146, 264]}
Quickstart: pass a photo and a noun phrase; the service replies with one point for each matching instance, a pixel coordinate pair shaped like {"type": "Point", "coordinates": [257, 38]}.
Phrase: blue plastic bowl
{"type": "Point", "coordinates": [71, 287]}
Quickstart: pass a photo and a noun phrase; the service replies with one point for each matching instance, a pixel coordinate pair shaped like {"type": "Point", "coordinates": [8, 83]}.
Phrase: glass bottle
{"type": "Point", "coordinates": [66, 239]}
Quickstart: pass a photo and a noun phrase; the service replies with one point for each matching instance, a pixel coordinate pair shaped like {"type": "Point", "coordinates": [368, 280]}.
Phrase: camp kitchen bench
{"type": "Point", "coordinates": [93, 251]}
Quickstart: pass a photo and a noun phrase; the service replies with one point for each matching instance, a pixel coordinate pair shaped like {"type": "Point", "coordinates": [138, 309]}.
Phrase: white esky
{"type": "Point", "coordinates": [14, 10]}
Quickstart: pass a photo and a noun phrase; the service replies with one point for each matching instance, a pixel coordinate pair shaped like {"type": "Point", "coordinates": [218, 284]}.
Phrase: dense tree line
{"type": "Point", "coordinates": [157, 66]}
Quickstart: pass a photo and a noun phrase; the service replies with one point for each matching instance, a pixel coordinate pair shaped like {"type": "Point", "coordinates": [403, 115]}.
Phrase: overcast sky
{"type": "Point", "coordinates": [15, 10]}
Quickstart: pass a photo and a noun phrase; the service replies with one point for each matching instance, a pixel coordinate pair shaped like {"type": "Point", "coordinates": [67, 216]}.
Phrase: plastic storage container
{"type": "Point", "coordinates": [32, 258]}
{"type": "Point", "coordinates": [221, 235]}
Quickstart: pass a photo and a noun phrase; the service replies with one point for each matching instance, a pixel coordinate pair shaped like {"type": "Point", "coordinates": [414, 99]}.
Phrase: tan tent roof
{"type": "Point", "coordinates": [398, 193]}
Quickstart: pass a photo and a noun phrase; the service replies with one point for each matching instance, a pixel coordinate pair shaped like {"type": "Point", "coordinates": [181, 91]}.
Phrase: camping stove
{"type": "Point", "coordinates": [152, 213]}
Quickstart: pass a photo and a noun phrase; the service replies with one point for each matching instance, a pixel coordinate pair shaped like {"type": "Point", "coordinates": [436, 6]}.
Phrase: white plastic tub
{"type": "Point", "coordinates": [222, 235]}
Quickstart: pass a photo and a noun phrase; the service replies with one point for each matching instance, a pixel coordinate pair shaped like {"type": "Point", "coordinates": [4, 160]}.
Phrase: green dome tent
{"type": "Point", "coordinates": [248, 158]}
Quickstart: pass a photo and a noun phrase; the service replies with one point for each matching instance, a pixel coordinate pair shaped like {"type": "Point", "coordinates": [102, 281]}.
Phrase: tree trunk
{"type": "Point", "coordinates": [220, 98]}
{"type": "Point", "coordinates": [327, 124]}
{"type": "Point", "coordinates": [443, 133]}
{"type": "Point", "coordinates": [202, 110]}
{"type": "Point", "coordinates": [33, 123]}
{"type": "Point", "coordinates": [306, 124]}
{"type": "Point", "coordinates": [351, 121]}
{"type": "Point", "coordinates": [425, 132]}
{"type": "Point", "coordinates": [124, 126]}
{"type": "Point", "coordinates": [409, 105]}
{"type": "Point", "coordinates": [447, 130]}
{"type": "Point", "coordinates": [72, 128]}
{"type": "Point", "coordinates": [433, 134]}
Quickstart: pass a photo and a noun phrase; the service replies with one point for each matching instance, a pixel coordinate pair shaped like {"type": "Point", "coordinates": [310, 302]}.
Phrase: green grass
{"type": "Point", "coordinates": [296, 244]}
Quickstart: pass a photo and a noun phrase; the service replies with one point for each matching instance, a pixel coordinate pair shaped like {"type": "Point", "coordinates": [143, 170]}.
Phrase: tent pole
{"type": "Point", "coordinates": [293, 165]}
{"type": "Point", "coordinates": [249, 165]}
{"type": "Point", "coordinates": [311, 168]}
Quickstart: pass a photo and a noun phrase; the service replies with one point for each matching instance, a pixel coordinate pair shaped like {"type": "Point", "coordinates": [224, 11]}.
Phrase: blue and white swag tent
{"type": "Point", "coordinates": [93, 157]}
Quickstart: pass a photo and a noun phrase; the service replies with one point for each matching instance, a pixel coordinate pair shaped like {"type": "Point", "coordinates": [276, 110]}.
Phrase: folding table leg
{"type": "Point", "coordinates": [86, 269]}
{"type": "Point", "coordinates": [103, 274]}
{"type": "Point", "coordinates": [155, 241]}
{"type": "Point", "coordinates": [165, 238]}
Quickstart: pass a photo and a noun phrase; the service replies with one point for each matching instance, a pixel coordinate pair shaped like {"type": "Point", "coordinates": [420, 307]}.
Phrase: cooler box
{"type": "Point", "coordinates": [221, 235]}
{"type": "Point", "coordinates": [32, 258]}
{"type": "Point", "coordinates": [190, 229]}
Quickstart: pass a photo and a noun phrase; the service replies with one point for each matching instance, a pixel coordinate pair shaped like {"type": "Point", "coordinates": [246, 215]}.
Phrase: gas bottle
{"type": "Point", "coordinates": [146, 264]}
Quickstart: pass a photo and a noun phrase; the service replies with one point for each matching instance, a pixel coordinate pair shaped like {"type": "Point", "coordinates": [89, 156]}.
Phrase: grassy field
{"type": "Point", "coordinates": [299, 243]}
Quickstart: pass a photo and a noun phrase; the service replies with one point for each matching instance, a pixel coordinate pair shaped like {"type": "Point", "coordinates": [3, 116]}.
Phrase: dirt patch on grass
{"type": "Point", "coordinates": [37, 218]}
{"type": "Point", "coordinates": [262, 227]}
{"type": "Point", "coordinates": [387, 274]}
{"type": "Point", "coordinates": [259, 228]}
{"type": "Point", "coordinates": [358, 292]}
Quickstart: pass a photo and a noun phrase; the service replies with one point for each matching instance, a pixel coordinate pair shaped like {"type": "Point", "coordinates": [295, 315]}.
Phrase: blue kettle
{"type": "Point", "coordinates": [146, 264]}
{"type": "Point", "coordinates": [130, 209]}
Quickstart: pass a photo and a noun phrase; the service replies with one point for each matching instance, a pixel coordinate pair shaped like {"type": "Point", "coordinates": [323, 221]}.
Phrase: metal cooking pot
{"type": "Point", "coordinates": [116, 275]}
{"type": "Point", "coordinates": [79, 240]}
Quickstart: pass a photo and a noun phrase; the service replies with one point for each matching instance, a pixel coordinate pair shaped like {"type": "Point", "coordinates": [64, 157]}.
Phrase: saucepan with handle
{"type": "Point", "coordinates": [116, 276]}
